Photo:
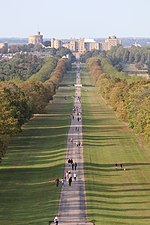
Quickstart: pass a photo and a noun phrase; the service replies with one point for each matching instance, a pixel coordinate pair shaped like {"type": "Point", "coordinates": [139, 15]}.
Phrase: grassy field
{"type": "Point", "coordinates": [115, 196]}
{"type": "Point", "coordinates": [34, 160]}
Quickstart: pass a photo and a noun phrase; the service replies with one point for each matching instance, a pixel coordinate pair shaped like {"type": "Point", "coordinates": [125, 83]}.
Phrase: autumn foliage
{"type": "Point", "coordinates": [130, 101]}
{"type": "Point", "coordinates": [19, 101]}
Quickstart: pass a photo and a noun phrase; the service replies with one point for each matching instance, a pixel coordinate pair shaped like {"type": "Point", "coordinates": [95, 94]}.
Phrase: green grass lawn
{"type": "Point", "coordinates": [114, 196]}
{"type": "Point", "coordinates": [35, 158]}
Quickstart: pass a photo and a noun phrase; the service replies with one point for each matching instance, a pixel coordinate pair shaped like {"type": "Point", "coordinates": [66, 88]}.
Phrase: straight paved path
{"type": "Point", "coordinates": [72, 207]}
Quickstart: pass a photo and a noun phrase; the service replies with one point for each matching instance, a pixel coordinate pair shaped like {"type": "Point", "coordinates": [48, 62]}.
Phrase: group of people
{"type": "Point", "coordinates": [78, 143]}
{"type": "Point", "coordinates": [73, 165]}
{"type": "Point", "coordinates": [68, 176]}
{"type": "Point", "coordinates": [117, 166]}
{"type": "Point", "coordinates": [72, 175]}
{"type": "Point", "coordinates": [68, 179]}
{"type": "Point", "coordinates": [57, 181]}
{"type": "Point", "coordinates": [78, 116]}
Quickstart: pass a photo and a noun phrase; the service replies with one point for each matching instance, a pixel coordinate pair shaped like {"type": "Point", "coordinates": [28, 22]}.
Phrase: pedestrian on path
{"type": "Point", "coordinates": [62, 181]}
{"type": "Point", "coordinates": [74, 176]}
{"type": "Point", "coordinates": [72, 166]}
{"type": "Point", "coordinates": [75, 165]}
{"type": "Point", "coordinates": [56, 220]}
{"type": "Point", "coordinates": [67, 175]}
{"type": "Point", "coordinates": [70, 181]}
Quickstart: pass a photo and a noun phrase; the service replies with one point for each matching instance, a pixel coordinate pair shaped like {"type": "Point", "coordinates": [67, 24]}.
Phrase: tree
{"type": "Point", "coordinates": [14, 111]}
{"type": "Point", "coordinates": [130, 101]}
{"type": "Point", "coordinates": [17, 102]}
{"type": "Point", "coordinates": [36, 95]}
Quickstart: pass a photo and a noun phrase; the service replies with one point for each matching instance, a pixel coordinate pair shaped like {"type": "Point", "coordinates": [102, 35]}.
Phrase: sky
{"type": "Point", "coordinates": [79, 18]}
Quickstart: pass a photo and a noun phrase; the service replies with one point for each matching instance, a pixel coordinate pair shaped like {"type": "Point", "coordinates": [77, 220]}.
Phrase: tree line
{"type": "Point", "coordinates": [21, 66]}
{"type": "Point", "coordinates": [89, 54]}
{"type": "Point", "coordinates": [45, 72]}
{"type": "Point", "coordinates": [129, 100]}
{"type": "Point", "coordinates": [135, 55]}
{"type": "Point", "coordinates": [18, 101]}
{"type": "Point", "coordinates": [119, 56]}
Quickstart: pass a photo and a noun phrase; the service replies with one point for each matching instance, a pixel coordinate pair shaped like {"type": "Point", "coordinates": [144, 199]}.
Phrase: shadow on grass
{"type": "Point", "coordinates": [35, 158]}
{"type": "Point", "coordinates": [99, 121]}
{"type": "Point", "coordinates": [122, 200]}
{"type": "Point", "coordinates": [125, 217]}
{"type": "Point", "coordinates": [32, 194]}
{"type": "Point", "coordinates": [121, 204]}
{"type": "Point", "coordinates": [102, 140]}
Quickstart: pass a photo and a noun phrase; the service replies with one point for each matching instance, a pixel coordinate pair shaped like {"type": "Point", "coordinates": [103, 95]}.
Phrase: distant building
{"type": "Point", "coordinates": [81, 46]}
{"type": "Point", "coordinates": [110, 42]}
{"type": "Point", "coordinates": [73, 45]}
{"type": "Point", "coordinates": [91, 44]}
{"type": "Point", "coordinates": [56, 43]}
{"type": "Point", "coordinates": [77, 46]}
{"type": "Point", "coordinates": [35, 39]}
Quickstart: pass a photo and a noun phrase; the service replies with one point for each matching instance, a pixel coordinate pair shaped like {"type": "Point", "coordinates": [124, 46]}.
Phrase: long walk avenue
{"type": "Point", "coordinates": [72, 207]}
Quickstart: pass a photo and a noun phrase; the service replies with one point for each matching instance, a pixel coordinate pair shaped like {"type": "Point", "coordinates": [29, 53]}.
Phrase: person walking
{"type": "Point", "coordinates": [75, 165]}
{"type": "Point", "coordinates": [62, 181]}
{"type": "Point", "coordinates": [70, 181]}
{"type": "Point", "coordinates": [56, 220]}
{"type": "Point", "coordinates": [74, 176]}
{"type": "Point", "coordinates": [72, 166]}
{"type": "Point", "coordinates": [67, 175]}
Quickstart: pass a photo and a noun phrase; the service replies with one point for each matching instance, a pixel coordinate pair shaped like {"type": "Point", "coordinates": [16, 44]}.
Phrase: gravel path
{"type": "Point", "coordinates": [72, 207]}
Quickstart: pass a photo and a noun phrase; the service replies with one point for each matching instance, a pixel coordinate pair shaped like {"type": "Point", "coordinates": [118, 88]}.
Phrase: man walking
{"type": "Point", "coordinates": [75, 165]}
{"type": "Point", "coordinates": [56, 220]}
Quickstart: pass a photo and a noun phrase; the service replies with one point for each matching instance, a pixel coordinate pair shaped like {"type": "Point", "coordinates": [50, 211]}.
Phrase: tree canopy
{"type": "Point", "coordinates": [129, 100]}
{"type": "Point", "coordinates": [19, 101]}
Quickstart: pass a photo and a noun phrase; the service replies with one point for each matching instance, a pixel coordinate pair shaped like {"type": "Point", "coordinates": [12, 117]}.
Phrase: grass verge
{"type": "Point", "coordinates": [34, 160]}
{"type": "Point", "coordinates": [114, 196]}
